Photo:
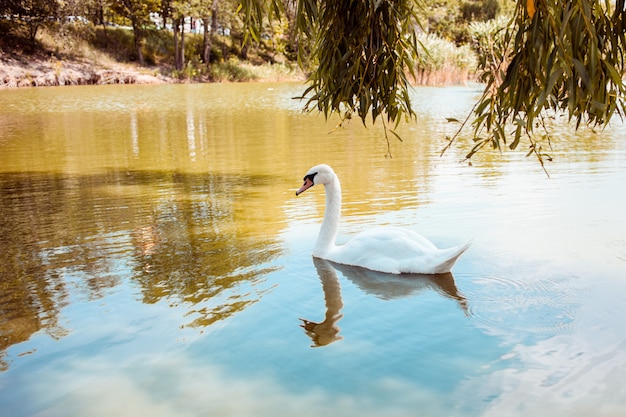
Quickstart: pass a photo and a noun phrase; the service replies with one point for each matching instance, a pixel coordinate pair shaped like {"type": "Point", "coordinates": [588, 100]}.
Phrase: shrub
{"type": "Point", "coordinates": [230, 70]}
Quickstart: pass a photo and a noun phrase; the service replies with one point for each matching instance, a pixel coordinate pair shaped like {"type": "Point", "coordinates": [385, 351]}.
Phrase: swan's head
{"type": "Point", "coordinates": [319, 174]}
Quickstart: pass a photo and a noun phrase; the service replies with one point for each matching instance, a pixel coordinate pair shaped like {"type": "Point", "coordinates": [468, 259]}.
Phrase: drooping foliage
{"type": "Point", "coordinates": [554, 57]}
{"type": "Point", "coordinates": [363, 49]}
{"type": "Point", "coordinates": [361, 52]}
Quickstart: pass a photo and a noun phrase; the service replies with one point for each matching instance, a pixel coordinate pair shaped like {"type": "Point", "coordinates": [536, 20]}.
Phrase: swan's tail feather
{"type": "Point", "coordinates": [449, 257]}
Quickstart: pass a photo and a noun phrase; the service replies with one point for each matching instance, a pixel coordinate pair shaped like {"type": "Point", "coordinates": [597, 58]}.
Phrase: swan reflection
{"type": "Point", "coordinates": [327, 331]}
{"type": "Point", "coordinates": [379, 284]}
{"type": "Point", "coordinates": [393, 286]}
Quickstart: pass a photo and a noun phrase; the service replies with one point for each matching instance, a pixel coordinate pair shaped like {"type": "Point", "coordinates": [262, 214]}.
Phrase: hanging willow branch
{"type": "Point", "coordinates": [361, 52]}
{"type": "Point", "coordinates": [560, 57]}
{"type": "Point", "coordinates": [363, 49]}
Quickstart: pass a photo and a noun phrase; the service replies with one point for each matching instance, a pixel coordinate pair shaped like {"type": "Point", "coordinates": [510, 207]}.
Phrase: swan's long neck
{"type": "Point", "coordinates": [330, 226]}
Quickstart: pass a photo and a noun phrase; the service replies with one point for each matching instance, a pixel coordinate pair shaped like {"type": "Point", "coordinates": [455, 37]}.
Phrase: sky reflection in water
{"type": "Point", "coordinates": [156, 262]}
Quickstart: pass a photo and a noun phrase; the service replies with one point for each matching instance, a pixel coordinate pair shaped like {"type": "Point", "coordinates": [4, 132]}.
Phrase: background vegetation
{"type": "Point", "coordinates": [207, 39]}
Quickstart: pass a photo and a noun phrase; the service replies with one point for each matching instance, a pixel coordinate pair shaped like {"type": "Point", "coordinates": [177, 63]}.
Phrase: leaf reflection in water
{"type": "Point", "coordinates": [379, 284]}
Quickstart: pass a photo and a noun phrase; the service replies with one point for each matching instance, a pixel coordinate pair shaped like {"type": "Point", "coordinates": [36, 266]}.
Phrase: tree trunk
{"type": "Point", "coordinates": [100, 15]}
{"type": "Point", "coordinates": [164, 16]}
{"type": "Point", "coordinates": [138, 41]}
{"type": "Point", "coordinates": [182, 42]}
{"type": "Point", "coordinates": [33, 28]}
{"type": "Point", "coordinates": [214, 24]}
{"type": "Point", "coordinates": [214, 11]}
{"type": "Point", "coordinates": [176, 28]}
{"type": "Point", "coordinates": [206, 43]}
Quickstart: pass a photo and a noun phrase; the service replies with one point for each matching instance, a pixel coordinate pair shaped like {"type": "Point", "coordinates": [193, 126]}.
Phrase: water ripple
{"type": "Point", "coordinates": [530, 305]}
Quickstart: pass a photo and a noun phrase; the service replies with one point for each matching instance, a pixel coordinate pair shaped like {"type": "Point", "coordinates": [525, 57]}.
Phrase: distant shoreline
{"type": "Point", "coordinates": [19, 71]}
{"type": "Point", "coordinates": [42, 70]}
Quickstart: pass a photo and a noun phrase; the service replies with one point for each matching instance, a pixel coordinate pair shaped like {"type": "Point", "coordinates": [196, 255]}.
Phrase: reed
{"type": "Point", "coordinates": [443, 63]}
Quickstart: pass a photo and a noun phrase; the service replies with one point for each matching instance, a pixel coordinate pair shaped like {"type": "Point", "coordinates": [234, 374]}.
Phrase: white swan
{"type": "Point", "coordinates": [384, 249]}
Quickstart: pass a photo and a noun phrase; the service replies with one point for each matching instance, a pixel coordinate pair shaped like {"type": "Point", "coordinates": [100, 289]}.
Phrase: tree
{"type": "Point", "coordinates": [179, 11]}
{"type": "Point", "coordinates": [138, 12]}
{"type": "Point", "coordinates": [563, 57]}
{"type": "Point", "coordinates": [32, 14]}
{"type": "Point", "coordinates": [208, 16]}
{"type": "Point", "coordinates": [95, 11]}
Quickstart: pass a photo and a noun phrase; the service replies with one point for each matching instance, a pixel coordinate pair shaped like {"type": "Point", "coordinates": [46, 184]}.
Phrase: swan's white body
{"type": "Point", "coordinates": [384, 249]}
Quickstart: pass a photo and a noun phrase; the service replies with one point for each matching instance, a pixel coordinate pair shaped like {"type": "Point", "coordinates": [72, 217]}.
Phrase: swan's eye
{"type": "Point", "coordinates": [310, 177]}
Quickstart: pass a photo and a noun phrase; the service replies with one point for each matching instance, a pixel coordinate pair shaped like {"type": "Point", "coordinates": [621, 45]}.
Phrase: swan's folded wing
{"type": "Point", "coordinates": [390, 250]}
{"type": "Point", "coordinates": [441, 261]}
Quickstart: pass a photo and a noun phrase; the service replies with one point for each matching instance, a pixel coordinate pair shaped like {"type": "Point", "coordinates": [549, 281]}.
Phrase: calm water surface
{"type": "Point", "coordinates": [155, 261]}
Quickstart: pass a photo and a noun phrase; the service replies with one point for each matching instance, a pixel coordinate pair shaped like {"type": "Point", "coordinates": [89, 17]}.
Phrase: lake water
{"type": "Point", "coordinates": [155, 261]}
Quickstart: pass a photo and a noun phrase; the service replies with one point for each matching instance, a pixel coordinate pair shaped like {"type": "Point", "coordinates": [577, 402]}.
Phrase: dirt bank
{"type": "Point", "coordinates": [36, 71]}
